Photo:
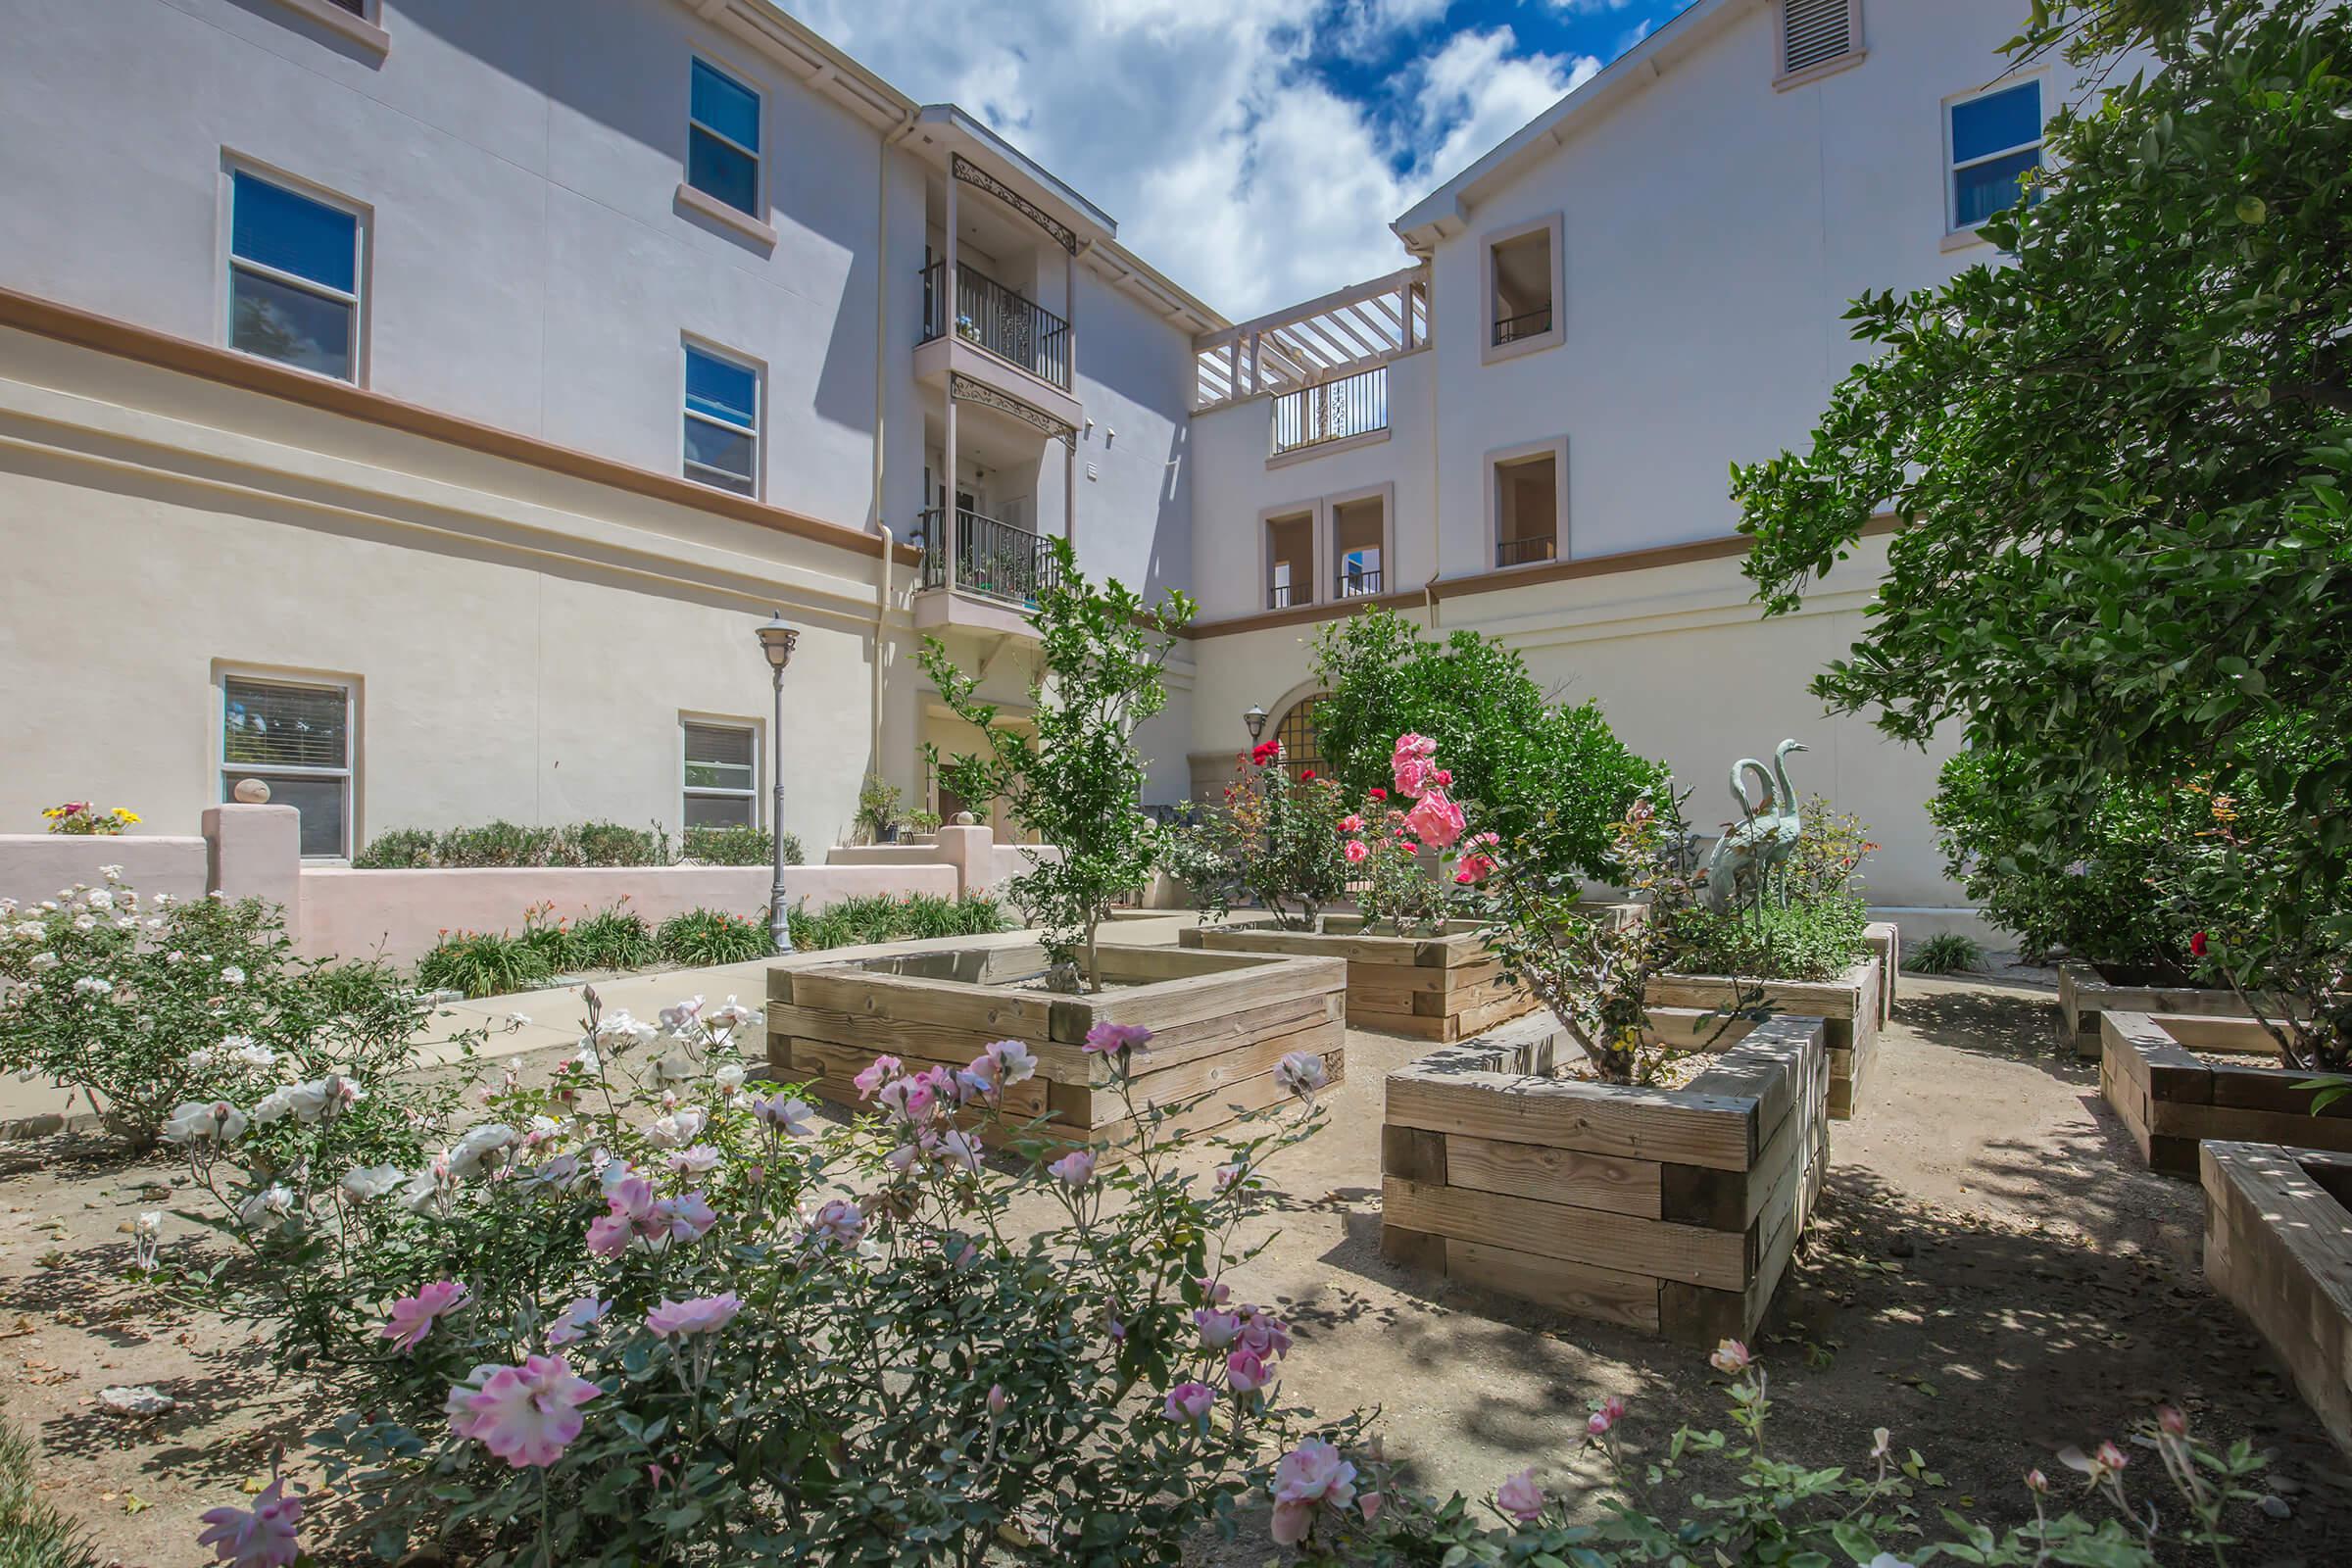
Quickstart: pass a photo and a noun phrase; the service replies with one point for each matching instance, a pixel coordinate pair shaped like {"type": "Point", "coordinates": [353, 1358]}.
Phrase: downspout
{"type": "Point", "coordinates": [1429, 345]}
{"type": "Point", "coordinates": [890, 139]}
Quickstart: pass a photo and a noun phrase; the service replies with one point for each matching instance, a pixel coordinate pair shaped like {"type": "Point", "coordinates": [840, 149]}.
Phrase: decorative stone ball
{"type": "Point", "coordinates": [965, 819]}
{"type": "Point", "coordinates": [252, 792]}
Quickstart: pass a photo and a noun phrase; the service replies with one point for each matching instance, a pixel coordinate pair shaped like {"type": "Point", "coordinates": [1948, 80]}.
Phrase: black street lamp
{"type": "Point", "coordinates": [776, 640]}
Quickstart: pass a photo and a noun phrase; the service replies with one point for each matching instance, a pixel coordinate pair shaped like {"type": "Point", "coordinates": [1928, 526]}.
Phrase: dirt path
{"type": "Point", "coordinates": [1993, 1277]}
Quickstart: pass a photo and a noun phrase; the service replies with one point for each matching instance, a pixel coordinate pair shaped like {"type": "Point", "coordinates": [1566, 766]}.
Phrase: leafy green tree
{"type": "Point", "coordinates": [1078, 784]}
{"type": "Point", "coordinates": [2118, 461]}
{"type": "Point", "coordinates": [1549, 778]}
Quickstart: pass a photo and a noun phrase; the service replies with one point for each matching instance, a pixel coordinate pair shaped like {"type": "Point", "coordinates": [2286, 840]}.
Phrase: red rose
{"type": "Point", "coordinates": [1304, 777]}
{"type": "Point", "coordinates": [2196, 943]}
{"type": "Point", "coordinates": [1379, 793]}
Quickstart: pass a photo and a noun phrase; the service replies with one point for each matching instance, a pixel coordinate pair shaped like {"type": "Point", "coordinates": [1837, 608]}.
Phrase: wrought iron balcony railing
{"type": "Point", "coordinates": [1334, 410]}
{"type": "Point", "coordinates": [1008, 325]}
{"type": "Point", "coordinates": [1357, 584]}
{"type": "Point", "coordinates": [1526, 324]}
{"type": "Point", "coordinates": [992, 557]}
{"type": "Point", "coordinates": [1281, 597]}
{"type": "Point", "coordinates": [1519, 551]}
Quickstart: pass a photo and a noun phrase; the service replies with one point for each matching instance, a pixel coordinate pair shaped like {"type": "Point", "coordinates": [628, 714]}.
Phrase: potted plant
{"type": "Point", "coordinates": [879, 809]}
{"type": "Point", "coordinates": [922, 827]}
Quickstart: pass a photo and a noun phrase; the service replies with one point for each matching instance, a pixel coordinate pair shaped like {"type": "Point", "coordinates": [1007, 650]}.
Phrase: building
{"type": "Point", "coordinates": [416, 404]}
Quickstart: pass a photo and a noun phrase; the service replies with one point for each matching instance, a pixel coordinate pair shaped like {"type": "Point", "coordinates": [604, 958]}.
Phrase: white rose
{"type": "Point", "coordinates": [200, 1119]}
{"type": "Point", "coordinates": [41, 960]}
{"type": "Point", "coordinates": [268, 1203]}
{"type": "Point", "coordinates": [232, 976]}
{"type": "Point", "coordinates": [86, 922]}
{"type": "Point", "coordinates": [729, 1078]}
{"type": "Point", "coordinates": [369, 1182]}
{"type": "Point", "coordinates": [275, 1106]}
{"type": "Point", "coordinates": [90, 985]}
{"type": "Point", "coordinates": [199, 1059]}
{"type": "Point", "coordinates": [478, 1145]}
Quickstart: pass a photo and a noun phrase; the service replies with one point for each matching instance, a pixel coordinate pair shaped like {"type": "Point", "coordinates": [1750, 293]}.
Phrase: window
{"type": "Point", "coordinates": [1817, 34]}
{"type": "Point", "coordinates": [1521, 287]}
{"type": "Point", "coordinates": [722, 422]}
{"type": "Point", "coordinates": [1290, 559]}
{"type": "Point", "coordinates": [358, 8]}
{"type": "Point", "coordinates": [1527, 499]}
{"type": "Point", "coordinates": [1996, 138]}
{"type": "Point", "coordinates": [293, 277]}
{"type": "Point", "coordinates": [722, 139]}
{"type": "Point", "coordinates": [294, 736]}
{"type": "Point", "coordinates": [1359, 528]}
{"type": "Point", "coordinates": [1302, 746]}
{"type": "Point", "coordinates": [721, 775]}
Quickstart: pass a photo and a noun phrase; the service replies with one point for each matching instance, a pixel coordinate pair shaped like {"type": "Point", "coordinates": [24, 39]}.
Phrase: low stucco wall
{"type": "Point", "coordinates": [349, 913]}
{"type": "Point", "coordinates": [35, 865]}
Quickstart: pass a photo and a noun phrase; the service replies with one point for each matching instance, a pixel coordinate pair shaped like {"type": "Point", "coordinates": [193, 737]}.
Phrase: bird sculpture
{"type": "Point", "coordinates": [1740, 866]}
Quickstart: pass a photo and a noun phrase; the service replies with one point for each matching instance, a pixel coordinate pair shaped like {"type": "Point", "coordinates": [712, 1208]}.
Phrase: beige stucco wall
{"type": "Point", "coordinates": [522, 642]}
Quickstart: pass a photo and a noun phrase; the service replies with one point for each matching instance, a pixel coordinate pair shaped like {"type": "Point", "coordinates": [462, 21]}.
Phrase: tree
{"type": "Point", "coordinates": [1551, 777]}
{"type": "Point", "coordinates": [1079, 783]}
{"type": "Point", "coordinates": [2117, 462]}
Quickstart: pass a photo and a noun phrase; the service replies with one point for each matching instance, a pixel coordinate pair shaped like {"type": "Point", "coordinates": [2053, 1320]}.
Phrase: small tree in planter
{"type": "Point", "coordinates": [1078, 784]}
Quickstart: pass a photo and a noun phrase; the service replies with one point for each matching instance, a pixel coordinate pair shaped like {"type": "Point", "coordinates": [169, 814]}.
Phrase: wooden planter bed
{"type": "Point", "coordinates": [2171, 1098]}
{"type": "Point", "coordinates": [2087, 993]}
{"type": "Point", "coordinates": [1220, 1023]}
{"type": "Point", "coordinates": [1854, 1008]}
{"type": "Point", "coordinates": [2278, 1248]}
{"type": "Point", "coordinates": [1671, 1210]}
{"type": "Point", "coordinates": [1446, 986]}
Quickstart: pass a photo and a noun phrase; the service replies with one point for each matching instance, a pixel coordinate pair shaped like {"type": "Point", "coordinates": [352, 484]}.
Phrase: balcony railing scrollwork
{"type": "Point", "coordinates": [1331, 411]}
{"type": "Point", "coordinates": [1008, 325]}
{"type": "Point", "coordinates": [992, 557]}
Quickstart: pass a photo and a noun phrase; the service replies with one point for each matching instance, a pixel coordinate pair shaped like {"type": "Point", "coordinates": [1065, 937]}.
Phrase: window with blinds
{"type": "Point", "coordinates": [721, 775]}
{"type": "Point", "coordinates": [295, 737]}
{"type": "Point", "coordinates": [1814, 33]}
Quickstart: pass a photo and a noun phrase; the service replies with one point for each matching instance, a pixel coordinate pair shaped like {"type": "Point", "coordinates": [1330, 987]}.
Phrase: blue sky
{"type": "Point", "coordinates": [1253, 150]}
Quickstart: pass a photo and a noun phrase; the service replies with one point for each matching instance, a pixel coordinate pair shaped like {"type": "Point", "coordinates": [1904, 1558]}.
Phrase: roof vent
{"type": "Point", "coordinates": [1814, 31]}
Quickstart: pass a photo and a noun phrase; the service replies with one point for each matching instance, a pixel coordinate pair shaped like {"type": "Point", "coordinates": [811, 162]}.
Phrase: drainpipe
{"type": "Point", "coordinates": [890, 139]}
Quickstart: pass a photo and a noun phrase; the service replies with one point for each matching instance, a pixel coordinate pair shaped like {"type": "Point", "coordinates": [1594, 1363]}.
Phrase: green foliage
{"type": "Point", "coordinates": [877, 807]}
{"type": "Point", "coordinates": [2119, 463]}
{"type": "Point", "coordinates": [886, 917]}
{"type": "Point", "coordinates": [1944, 952]}
{"type": "Point", "coordinates": [1551, 776]}
{"type": "Point", "coordinates": [937, 1362]}
{"type": "Point", "coordinates": [1816, 940]}
{"type": "Point", "coordinates": [486, 964]}
{"type": "Point", "coordinates": [33, 1533]}
{"type": "Point", "coordinates": [738, 846]}
{"type": "Point", "coordinates": [615, 938]}
{"type": "Point", "coordinates": [509, 843]}
{"type": "Point", "coordinates": [138, 1006]}
{"type": "Point", "coordinates": [1277, 834]}
{"type": "Point", "coordinates": [1192, 851]}
{"type": "Point", "coordinates": [700, 938]}
{"type": "Point", "coordinates": [1078, 784]}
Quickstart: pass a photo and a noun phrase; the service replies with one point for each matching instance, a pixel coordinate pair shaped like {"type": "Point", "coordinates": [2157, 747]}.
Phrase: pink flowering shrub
{"type": "Point", "coordinates": [1340, 1508]}
{"type": "Point", "coordinates": [654, 1311]}
{"type": "Point", "coordinates": [1276, 836]}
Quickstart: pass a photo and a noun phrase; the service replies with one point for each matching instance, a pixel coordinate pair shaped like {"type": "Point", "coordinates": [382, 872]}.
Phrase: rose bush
{"type": "Point", "coordinates": [141, 1004]}
{"type": "Point", "coordinates": [651, 1311]}
{"type": "Point", "coordinates": [1277, 836]}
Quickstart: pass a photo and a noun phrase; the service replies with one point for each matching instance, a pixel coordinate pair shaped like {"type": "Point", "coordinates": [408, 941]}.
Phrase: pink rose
{"type": "Point", "coordinates": [1263, 1334]}
{"type": "Point", "coordinates": [1190, 1402]}
{"type": "Point", "coordinates": [412, 1316]}
{"type": "Point", "coordinates": [1356, 853]}
{"type": "Point", "coordinates": [1474, 870]}
{"type": "Point", "coordinates": [1352, 823]}
{"type": "Point", "coordinates": [839, 1222]}
{"type": "Point", "coordinates": [526, 1415]}
{"type": "Point", "coordinates": [1246, 1372]}
{"type": "Point", "coordinates": [1435, 818]}
{"type": "Point", "coordinates": [1073, 1169]}
{"type": "Point", "coordinates": [880, 1072]}
{"type": "Point", "coordinates": [1521, 1498]}
{"type": "Point", "coordinates": [577, 1319]}
{"type": "Point", "coordinates": [1731, 1358]}
{"type": "Point", "coordinates": [263, 1537]}
{"type": "Point", "coordinates": [1218, 1329]}
{"type": "Point", "coordinates": [1305, 1479]}
{"type": "Point", "coordinates": [1108, 1039]}
{"type": "Point", "coordinates": [702, 1314]}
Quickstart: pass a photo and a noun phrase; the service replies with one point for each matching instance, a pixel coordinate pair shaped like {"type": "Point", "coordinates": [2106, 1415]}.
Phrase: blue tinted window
{"type": "Point", "coordinates": [726, 107]}
{"type": "Point", "coordinates": [1996, 122]}
{"type": "Point", "coordinates": [277, 229]}
{"type": "Point", "coordinates": [1983, 189]}
{"type": "Point", "coordinates": [717, 169]}
{"type": "Point", "coordinates": [722, 389]}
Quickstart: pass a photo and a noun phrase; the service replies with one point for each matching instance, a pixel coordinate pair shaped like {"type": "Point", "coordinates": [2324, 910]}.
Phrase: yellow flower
{"type": "Point", "coordinates": [126, 815]}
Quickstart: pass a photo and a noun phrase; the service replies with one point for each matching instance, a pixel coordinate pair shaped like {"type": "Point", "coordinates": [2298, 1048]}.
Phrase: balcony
{"type": "Point", "coordinates": [1357, 584]}
{"type": "Point", "coordinates": [1522, 552]}
{"type": "Point", "coordinates": [994, 559]}
{"type": "Point", "coordinates": [1333, 411]}
{"type": "Point", "coordinates": [1007, 325]}
{"type": "Point", "coordinates": [1525, 324]}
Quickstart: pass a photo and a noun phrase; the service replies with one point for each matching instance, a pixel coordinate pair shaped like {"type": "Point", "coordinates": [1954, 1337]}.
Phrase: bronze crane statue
{"type": "Point", "coordinates": [1740, 866]}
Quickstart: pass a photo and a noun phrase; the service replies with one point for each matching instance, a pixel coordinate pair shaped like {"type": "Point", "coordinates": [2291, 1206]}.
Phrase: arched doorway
{"type": "Point", "coordinates": [1302, 746]}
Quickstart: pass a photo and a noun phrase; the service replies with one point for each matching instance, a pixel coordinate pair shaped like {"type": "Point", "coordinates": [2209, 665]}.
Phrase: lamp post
{"type": "Point", "coordinates": [775, 641]}
{"type": "Point", "coordinates": [1256, 718]}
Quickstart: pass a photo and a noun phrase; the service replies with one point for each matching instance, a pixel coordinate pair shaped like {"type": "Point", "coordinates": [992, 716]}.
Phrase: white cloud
{"type": "Point", "coordinates": [1196, 123]}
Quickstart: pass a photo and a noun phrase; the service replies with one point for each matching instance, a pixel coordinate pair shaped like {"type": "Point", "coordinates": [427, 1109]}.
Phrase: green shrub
{"type": "Point", "coordinates": [738, 846]}
{"type": "Point", "coordinates": [1552, 778]}
{"type": "Point", "coordinates": [884, 918]}
{"type": "Point", "coordinates": [613, 939]}
{"type": "Point", "coordinates": [1815, 941]}
{"type": "Point", "coordinates": [497, 842]}
{"type": "Point", "coordinates": [610, 844]}
{"type": "Point", "coordinates": [33, 1533]}
{"type": "Point", "coordinates": [403, 849]}
{"type": "Point", "coordinates": [485, 963]}
{"type": "Point", "coordinates": [700, 938]}
{"type": "Point", "coordinates": [1944, 952]}
{"type": "Point", "coordinates": [502, 843]}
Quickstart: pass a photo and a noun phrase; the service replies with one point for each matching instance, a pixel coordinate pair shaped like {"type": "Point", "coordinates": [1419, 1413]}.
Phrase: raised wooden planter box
{"type": "Point", "coordinates": [2278, 1248]}
{"type": "Point", "coordinates": [1220, 1024]}
{"type": "Point", "coordinates": [1671, 1210]}
{"type": "Point", "coordinates": [2171, 1098]}
{"type": "Point", "coordinates": [1854, 1008]}
{"type": "Point", "coordinates": [2086, 995]}
{"type": "Point", "coordinates": [1434, 988]}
